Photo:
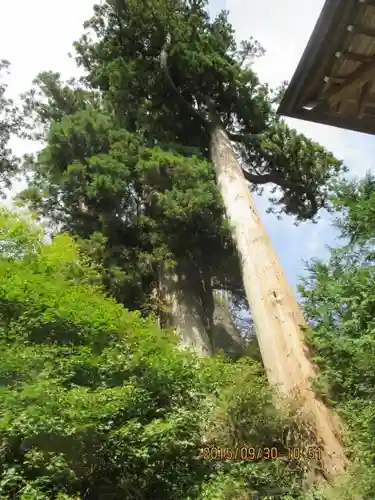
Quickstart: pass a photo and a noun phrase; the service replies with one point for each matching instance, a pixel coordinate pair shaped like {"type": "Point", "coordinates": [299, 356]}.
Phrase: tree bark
{"type": "Point", "coordinates": [275, 311]}
{"type": "Point", "coordinates": [225, 335]}
{"type": "Point", "coordinates": [202, 322]}
{"type": "Point", "coordinates": [185, 313]}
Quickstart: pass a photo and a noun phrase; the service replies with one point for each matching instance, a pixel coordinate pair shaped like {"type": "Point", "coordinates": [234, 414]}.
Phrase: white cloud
{"type": "Point", "coordinates": [37, 36]}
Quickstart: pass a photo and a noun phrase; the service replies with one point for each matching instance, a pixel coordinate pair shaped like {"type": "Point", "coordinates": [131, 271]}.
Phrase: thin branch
{"type": "Point", "coordinates": [278, 179]}
{"type": "Point", "coordinates": [243, 139]}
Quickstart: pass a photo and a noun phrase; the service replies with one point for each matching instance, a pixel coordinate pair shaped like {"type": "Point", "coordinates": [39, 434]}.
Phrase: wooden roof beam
{"type": "Point", "coordinates": [362, 29]}
{"type": "Point", "coordinates": [353, 56]}
{"type": "Point", "coordinates": [370, 3]}
{"type": "Point", "coordinates": [360, 76]}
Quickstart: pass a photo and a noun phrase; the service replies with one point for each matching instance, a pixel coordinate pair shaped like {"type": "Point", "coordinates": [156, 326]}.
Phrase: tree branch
{"type": "Point", "coordinates": [236, 137]}
{"type": "Point", "coordinates": [278, 179]}
{"type": "Point", "coordinates": [243, 139]}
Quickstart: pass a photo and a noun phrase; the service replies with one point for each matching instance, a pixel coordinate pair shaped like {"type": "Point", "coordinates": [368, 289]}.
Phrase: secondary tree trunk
{"type": "Point", "coordinates": [275, 311]}
{"type": "Point", "coordinates": [225, 335]}
{"type": "Point", "coordinates": [202, 322]}
{"type": "Point", "coordinates": [185, 312]}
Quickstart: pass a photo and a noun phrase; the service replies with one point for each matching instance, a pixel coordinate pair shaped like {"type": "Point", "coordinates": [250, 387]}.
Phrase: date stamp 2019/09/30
{"type": "Point", "coordinates": [258, 453]}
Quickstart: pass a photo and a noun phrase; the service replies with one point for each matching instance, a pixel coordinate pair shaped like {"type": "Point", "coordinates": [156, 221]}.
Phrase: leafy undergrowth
{"type": "Point", "coordinates": [339, 300]}
{"type": "Point", "coordinates": [96, 402]}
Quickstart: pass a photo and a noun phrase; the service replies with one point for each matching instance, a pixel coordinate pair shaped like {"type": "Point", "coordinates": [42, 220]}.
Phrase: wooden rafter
{"type": "Point", "coordinates": [370, 3]}
{"type": "Point", "coordinates": [362, 29]}
{"type": "Point", "coordinates": [353, 56]}
{"type": "Point", "coordinates": [361, 75]}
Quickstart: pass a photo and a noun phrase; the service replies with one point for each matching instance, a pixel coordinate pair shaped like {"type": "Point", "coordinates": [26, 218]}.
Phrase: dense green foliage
{"type": "Point", "coordinates": [10, 122]}
{"type": "Point", "coordinates": [356, 200]}
{"type": "Point", "coordinates": [137, 205]}
{"type": "Point", "coordinates": [339, 298]}
{"type": "Point", "coordinates": [98, 403]}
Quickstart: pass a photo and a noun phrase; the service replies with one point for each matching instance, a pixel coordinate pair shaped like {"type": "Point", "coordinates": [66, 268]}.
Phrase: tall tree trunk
{"type": "Point", "coordinates": [275, 311]}
{"type": "Point", "coordinates": [202, 322]}
{"type": "Point", "coordinates": [185, 312]}
{"type": "Point", "coordinates": [225, 334]}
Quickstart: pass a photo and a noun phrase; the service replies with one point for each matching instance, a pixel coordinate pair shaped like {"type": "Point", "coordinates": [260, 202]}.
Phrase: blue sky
{"type": "Point", "coordinates": [41, 38]}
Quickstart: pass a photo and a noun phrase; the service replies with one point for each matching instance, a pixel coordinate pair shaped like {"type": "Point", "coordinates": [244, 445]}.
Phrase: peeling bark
{"type": "Point", "coordinates": [275, 311]}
